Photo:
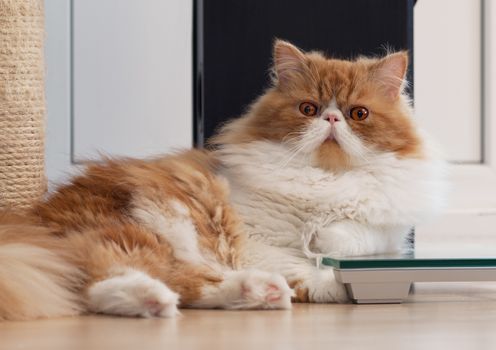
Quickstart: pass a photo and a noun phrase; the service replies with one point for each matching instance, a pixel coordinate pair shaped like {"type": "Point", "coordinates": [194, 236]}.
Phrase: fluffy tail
{"type": "Point", "coordinates": [35, 282]}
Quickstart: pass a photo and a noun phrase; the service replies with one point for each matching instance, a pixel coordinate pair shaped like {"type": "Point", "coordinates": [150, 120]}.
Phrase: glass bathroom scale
{"type": "Point", "coordinates": [388, 278]}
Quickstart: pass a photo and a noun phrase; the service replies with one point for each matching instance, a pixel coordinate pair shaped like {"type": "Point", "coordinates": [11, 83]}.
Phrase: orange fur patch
{"type": "Point", "coordinates": [89, 224]}
{"type": "Point", "coordinates": [301, 293]}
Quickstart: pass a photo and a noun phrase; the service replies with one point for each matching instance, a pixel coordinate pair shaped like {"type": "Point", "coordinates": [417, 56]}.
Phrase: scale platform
{"type": "Point", "coordinates": [387, 278]}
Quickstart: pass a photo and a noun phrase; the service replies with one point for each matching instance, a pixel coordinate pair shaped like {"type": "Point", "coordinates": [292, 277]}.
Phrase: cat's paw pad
{"type": "Point", "coordinates": [273, 293]}
{"type": "Point", "coordinates": [160, 302]}
{"type": "Point", "coordinates": [133, 293]}
{"type": "Point", "coordinates": [266, 290]}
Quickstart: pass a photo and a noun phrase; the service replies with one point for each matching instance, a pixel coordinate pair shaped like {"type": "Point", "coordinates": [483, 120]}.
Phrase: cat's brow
{"type": "Point", "coordinates": [325, 91]}
{"type": "Point", "coordinates": [353, 84]}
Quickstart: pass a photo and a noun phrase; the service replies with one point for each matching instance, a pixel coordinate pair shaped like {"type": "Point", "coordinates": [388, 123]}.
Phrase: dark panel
{"type": "Point", "coordinates": [233, 42]}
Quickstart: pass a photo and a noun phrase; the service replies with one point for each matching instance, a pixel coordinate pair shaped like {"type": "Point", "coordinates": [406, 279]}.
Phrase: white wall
{"type": "Point", "coordinates": [58, 88]}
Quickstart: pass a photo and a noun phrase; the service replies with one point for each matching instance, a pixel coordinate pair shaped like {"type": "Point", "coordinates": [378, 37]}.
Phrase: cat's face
{"type": "Point", "coordinates": [339, 112]}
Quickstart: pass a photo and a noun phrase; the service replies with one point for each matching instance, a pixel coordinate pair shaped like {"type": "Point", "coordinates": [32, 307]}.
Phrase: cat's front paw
{"type": "Point", "coordinates": [349, 238]}
{"type": "Point", "coordinates": [133, 293]}
{"type": "Point", "coordinates": [322, 287]}
{"type": "Point", "coordinates": [264, 290]}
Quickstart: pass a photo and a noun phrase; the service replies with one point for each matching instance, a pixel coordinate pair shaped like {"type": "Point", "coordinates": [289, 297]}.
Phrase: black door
{"type": "Point", "coordinates": [233, 44]}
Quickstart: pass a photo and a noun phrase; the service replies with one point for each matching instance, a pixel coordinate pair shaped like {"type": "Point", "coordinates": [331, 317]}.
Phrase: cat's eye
{"type": "Point", "coordinates": [359, 113]}
{"type": "Point", "coordinates": [309, 109]}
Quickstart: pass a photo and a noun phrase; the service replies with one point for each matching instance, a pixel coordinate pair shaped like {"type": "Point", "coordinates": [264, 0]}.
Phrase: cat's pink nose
{"type": "Point", "coordinates": [331, 118]}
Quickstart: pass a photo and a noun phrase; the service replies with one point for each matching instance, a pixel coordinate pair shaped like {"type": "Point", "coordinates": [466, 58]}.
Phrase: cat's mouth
{"type": "Point", "coordinates": [331, 136]}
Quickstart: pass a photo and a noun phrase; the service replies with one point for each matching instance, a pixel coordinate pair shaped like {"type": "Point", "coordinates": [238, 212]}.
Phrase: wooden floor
{"type": "Point", "coordinates": [437, 316]}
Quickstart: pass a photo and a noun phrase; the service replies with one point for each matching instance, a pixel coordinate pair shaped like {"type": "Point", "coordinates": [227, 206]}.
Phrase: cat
{"type": "Point", "coordinates": [327, 161]}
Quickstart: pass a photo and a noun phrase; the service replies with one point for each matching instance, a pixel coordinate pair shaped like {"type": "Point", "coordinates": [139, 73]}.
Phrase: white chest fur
{"type": "Point", "coordinates": [279, 197]}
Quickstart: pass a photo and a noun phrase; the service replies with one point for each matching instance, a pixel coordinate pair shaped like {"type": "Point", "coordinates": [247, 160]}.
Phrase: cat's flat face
{"type": "Point", "coordinates": [338, 111]}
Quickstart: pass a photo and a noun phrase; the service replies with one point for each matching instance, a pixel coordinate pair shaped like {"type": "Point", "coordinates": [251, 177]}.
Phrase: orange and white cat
{"type": "Point", "coordinates": [327, 160]}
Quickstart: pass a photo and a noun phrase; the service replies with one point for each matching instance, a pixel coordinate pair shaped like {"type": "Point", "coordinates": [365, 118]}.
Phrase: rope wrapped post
{"type": "Point", "coordinates": [22, 103]}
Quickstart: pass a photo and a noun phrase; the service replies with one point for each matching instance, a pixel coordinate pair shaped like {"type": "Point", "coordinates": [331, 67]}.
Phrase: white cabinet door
{"type": "Point", "coordinates": [119, 79]}
{"type": "Point", "coordinates": [132, 74]}
{"type": "Point", "coordinates": [448, 81]}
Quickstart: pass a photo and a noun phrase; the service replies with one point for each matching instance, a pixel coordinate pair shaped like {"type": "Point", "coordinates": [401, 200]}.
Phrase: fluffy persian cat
{"type": "Point", "coordinates": [327, 161]}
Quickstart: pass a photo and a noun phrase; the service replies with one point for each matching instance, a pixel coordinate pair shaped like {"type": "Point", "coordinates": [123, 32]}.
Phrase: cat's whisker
{"type": "Point", "coordinates": [303, 147]}
{"type": "Point", "coordinates": [289, 137]}
{"type": "Point", "coordinates": [295, 150]}
{"type": "Point", "coordinates": [354, 146]}
{"type": "Point", "coordinates": [291, 156]}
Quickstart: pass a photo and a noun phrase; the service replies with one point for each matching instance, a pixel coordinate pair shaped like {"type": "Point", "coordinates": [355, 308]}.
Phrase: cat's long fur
{"type": "Point", "coordinates": [236, 226]}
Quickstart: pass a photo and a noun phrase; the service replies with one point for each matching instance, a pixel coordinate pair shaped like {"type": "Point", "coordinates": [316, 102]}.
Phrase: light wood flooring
{"type": "Point", "coordinates": [436, 316]}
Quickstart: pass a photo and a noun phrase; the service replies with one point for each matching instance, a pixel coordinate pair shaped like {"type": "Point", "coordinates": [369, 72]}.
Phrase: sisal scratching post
{"type": "Point", "coordinates": [22, 103]}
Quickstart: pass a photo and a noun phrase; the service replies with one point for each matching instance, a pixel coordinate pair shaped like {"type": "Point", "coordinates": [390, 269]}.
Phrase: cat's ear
{"type": "Point", "coordinates": [390, 73]}
{"type": "Point", "coordinates": [289, 62]}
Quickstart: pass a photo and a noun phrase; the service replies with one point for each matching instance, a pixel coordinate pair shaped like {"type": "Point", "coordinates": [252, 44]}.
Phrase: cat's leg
{"type": "Point", "coordinates": [137, 275]}
{"type": "Point", "coordinates": [130, 292]}
{"type": "Point", "coordinates": [247, 289]}
{"type": "Point", "coordinates": [122, 264]}
{"type": "Point", "coordinates": [235, 289]}
{"type": "Point", "coordinates": [311, 284]}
